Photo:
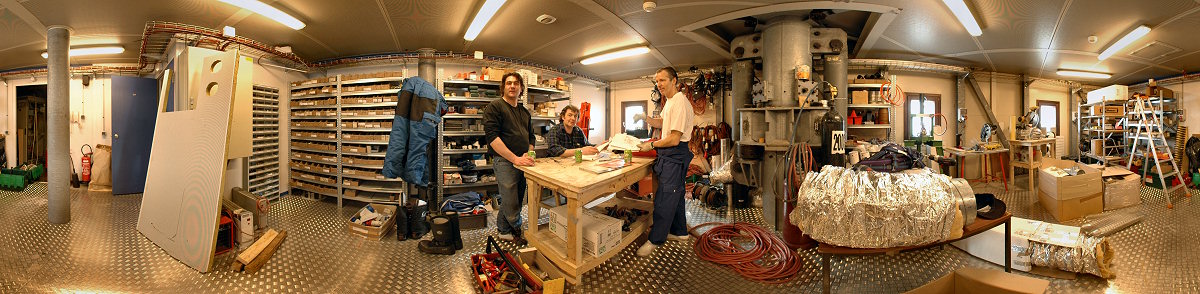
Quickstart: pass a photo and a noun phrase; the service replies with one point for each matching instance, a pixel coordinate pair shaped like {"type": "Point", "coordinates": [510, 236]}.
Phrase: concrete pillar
{"type": "Point", "coordinates": [57, 105]}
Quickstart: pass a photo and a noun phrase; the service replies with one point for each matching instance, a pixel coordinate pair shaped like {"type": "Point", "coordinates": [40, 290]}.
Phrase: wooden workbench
{"type": "Point", "coordinates": [1035, 160]}
{"type": "Point", "coordinates": [986, 173]}
{"type": "Point", "coordinates": [563, 177]}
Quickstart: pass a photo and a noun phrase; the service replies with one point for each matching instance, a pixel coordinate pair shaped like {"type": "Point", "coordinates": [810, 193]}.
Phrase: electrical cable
{"type": "Point", "coordinates": [767, 261]}
{"type": "Point", "coordinates": [891, 93]}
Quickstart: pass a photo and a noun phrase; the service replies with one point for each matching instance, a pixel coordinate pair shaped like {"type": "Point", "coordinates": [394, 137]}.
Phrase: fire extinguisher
{"type": "Point", "coordinates": [86, 163]}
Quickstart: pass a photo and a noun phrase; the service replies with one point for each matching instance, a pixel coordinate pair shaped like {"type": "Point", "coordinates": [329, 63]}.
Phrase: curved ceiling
{"type": "Point", "coordinates": [1034, 37]}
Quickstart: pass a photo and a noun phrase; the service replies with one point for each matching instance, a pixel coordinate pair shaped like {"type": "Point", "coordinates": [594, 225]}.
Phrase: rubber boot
{"type": "Point", "coordinates": [402, 223]}
{"type": "Point", "coordinates": [441, 243]}
{"type": "Point", "coordinates": [455, 231]}
{"type": "Point", "coordinates": [418, 225]}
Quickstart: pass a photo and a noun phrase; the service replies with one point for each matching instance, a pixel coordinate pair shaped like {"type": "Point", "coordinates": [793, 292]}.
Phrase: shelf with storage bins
{"type": "Point", "coordinates": [342, 122]}
{"type": "Point", "coordinates": [262, 168]}
{"type": "Point", "coordinates": [1100, 126]}
{"type": "Point", "coordinates": [461, 128]}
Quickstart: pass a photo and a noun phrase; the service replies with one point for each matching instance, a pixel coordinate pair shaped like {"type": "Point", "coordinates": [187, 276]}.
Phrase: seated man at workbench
{"type": "Point", "coordinates": [566, 138]}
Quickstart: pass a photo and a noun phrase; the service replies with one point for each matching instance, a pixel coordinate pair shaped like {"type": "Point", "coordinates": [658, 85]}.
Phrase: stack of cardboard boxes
{"type": "Point", "coordinates": [600, 232]}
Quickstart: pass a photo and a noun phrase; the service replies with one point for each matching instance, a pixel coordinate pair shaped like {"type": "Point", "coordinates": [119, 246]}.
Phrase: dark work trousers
{"type": "Point", "coordinates": [669, 213]}
{"type": "Point", "coordinates": [511, 182]}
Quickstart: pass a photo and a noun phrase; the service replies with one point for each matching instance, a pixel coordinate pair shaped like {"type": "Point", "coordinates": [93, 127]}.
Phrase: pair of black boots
{"type": "Point", "coordinates": [446, 235]}
{"type": "Point", "coordinates": [411, 222]}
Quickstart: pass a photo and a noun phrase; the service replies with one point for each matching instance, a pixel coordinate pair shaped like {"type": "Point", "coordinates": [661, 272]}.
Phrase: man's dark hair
{"type": "Point", "coordinates": [670, 71]}
{"type": "Point", "coordinates": [519, 80]}
{"type": "Point", "coordinates": [570, 107]}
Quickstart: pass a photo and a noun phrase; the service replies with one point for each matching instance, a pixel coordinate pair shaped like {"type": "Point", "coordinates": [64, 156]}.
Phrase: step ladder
{"type": "Point", "coordinates": [1149, 131]}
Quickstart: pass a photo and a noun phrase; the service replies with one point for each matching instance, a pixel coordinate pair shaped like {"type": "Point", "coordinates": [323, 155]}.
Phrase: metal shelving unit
{"type": "Point", "coordinates": [1104, 127]}
{"type": "Point", "coordinates": [391, 191]}
{"type": "Point", "coordinates": [875, 128]}
{"type": "Point", "coordinates": [262, 167]}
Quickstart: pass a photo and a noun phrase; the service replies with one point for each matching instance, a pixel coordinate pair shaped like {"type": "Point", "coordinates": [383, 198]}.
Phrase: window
{"type": "Point", "coordinates": [1048, 116]}
{"type": "Point", "coordinates": [920, 109]}
{"type": "Point", "coordinates": [633, 119]}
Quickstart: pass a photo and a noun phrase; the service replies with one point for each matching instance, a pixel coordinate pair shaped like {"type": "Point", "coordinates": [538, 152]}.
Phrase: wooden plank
{"type": "Point", "coordinates": [574, 232]}
{"type": "Point", "coordinates": [552, 270]}
{"type": "Point", "coordinates": [987, 109]}
{"type": "Point", "coordinates": [533, 192]}
{"type": "Point", "coordinates": [249, 254]}
{"type": "Point", "coordinates": [262, 259]}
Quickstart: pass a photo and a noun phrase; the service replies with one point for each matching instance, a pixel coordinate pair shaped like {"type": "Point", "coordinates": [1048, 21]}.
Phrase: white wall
{"type": "Point", "coordinates": [639, 90]}
{"type": "Point", "coordinates": [93, 102]}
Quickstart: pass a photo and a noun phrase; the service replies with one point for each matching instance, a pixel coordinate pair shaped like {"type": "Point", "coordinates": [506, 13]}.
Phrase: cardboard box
{"type": "Point", "coordinates": [989, 245]}
{"type": "Point", "coordinates": [975, 280]}
{"type": "Point", "coordinates": [860, 97]}
{"type": "Point", "coordinates": [1110, 93]}
{"type": "Point", "coordinates": [373, 232]}
{"type": "Point", "coordinates": [494, 74]}
{"type": "Point", "coordinates": [1073, 208]}
{"type": "Point", "coordinates": [1067, 187]}
{"type": "Point", "coordinates": [600, 232]}
{"type": "Point", "coordinates": [1108, 110]}
{"type": "Point", "coordinates": [1122, 188]}
{"type": "Point", "coordinates": [1098, 146]}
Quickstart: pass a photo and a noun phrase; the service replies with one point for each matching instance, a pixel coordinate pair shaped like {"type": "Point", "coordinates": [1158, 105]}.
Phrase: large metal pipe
{"type": "Point", "coordinates": [427, 65]}
{"type": "Point", "coordinates": [743, 72]}
{"type": "Point", "coordinates": [58, 107]}
{"type": "Point", "coordinates": [785, 49]}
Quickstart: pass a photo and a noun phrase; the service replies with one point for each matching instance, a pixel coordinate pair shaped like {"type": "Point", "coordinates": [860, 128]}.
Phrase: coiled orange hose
{"type": "Point", "coordinates": [768, 261]}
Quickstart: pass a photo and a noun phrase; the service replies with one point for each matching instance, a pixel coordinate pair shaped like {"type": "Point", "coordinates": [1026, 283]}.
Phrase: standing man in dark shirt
{"type": "Point", "coordinates": [508, 132]}
{"type": "Point", "coordinates": [566, 137]}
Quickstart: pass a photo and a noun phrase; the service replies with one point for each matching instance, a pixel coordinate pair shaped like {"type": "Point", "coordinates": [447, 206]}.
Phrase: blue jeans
{"type": "Point", "coordinates": [511, 183]}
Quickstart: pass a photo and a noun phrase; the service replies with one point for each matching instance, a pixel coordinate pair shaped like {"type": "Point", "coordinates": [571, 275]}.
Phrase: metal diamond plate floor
{"type": "Point", "coordinates": [100, 250]}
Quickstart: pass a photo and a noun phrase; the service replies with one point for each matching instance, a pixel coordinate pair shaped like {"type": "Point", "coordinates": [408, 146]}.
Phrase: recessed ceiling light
{"type": "Point", "coordinates": [268, 11]}
{"type": "Point", "coordinates": [616, 54]}
{"type": "Point", "coordinates": [960, 10]}
{"type": "Point", "coordinates": [1083, 74]}
{"type": "Point", "coordinates": [91, 51]}
{"type": "Point", "coordinates": [1134, 35]}
{"type": "Point", "coordinates": [485, 14]}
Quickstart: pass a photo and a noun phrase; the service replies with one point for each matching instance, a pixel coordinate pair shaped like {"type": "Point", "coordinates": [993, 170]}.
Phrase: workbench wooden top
{"type": "Point", "coordinates": [565, 173]}
{"type": "Point", "coordinates": [1033, 142]}
{"type": "Point", "coordinates": [963, 152]}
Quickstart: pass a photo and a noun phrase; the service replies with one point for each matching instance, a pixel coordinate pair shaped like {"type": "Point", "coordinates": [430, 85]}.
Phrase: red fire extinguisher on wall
{"type": "Point", "coordinates": [86, 163]}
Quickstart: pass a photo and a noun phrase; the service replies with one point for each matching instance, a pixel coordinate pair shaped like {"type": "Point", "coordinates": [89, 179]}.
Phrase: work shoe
{"type": "Point", "coordinates": [646, 249]}
{"type": "Point", "coordinates": [506, 237]}
{"type": "Point", "coordinates": [677, 238]}
{"type": "Point", "coordinates": [516, 239]}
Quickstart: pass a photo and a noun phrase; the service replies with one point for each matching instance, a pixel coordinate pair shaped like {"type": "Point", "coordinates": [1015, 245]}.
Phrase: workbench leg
{"type": "Point", "coordinates": [574, 232]}
{"type": "Point", "coordinates": [1008, 245]}
{"type": "Point", "coordinates": [826, 285]}
{"type": "Point", "coordinates": [962, 165]}
{"type": "Point", "coordinates": [1012, 157]}
{"type": "Point", "coordinates": [533, 198]}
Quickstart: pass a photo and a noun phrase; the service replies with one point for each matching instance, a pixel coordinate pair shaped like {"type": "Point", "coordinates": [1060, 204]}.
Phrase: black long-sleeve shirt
{"type": "Point", "coordinates": [513, 125]}
{"type": "Point", "coordinates": [559, 140]}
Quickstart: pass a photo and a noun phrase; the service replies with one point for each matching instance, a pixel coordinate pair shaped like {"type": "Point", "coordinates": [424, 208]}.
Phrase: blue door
{"type": "Point", "coordinates": [134, 108]}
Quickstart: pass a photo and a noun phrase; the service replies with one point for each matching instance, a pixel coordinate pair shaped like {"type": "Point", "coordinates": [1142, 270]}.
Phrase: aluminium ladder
{"type": "Point", "coordinates": [1150, 131]}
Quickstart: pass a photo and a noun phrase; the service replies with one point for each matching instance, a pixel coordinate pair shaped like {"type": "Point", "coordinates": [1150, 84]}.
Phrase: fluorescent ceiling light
{"type": "Point", "coordinates": [484, 15]}
{"type": "Point", "coordinates": [267, 11]}
{"type": "Point", "coordinates": [91, 51]}
{"type": "Point", "coordinates": [614, 55]}
{"type": "Point", "coordinates": [960, 10]}
{"type": "Point", "coordinates": [1137, 33]}
{"type": "Point", "coordinates": [1083, 74]}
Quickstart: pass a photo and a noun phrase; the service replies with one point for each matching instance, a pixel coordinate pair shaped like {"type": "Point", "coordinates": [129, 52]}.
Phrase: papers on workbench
{"type": "Point", "coordinates": [621, 142]}
{"type": "Point", "coordinates": [603, 167]}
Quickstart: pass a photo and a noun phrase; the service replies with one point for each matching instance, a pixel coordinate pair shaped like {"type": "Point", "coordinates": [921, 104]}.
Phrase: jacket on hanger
{"type": "Point", "coordinates": [419, 110]}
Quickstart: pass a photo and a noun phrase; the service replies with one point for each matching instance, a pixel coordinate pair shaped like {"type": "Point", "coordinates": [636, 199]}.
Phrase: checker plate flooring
{"type": "Point", "coordinates": [100, 250]}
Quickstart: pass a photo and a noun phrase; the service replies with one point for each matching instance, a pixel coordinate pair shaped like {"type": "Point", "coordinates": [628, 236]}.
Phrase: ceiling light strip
{"type": "Point", "coordinates": [616, 54]}
{"type": "Point", "coordinates": [1129, 38]}
{"type": "Point", "coordinates": [91, 51]}
{"type": "Point", "coordinates": [960, 10]}
{"type": "Point", "coordinates": [1083, 74]}
{"type": "Point", "coordinates": [485, 14]}
{"type": "Point", "coordinates": [268, 11]}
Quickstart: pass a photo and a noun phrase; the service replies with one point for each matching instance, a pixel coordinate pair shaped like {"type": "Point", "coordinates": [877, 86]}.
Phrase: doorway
{"type": "Point", "coordinates": [31, 125]}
